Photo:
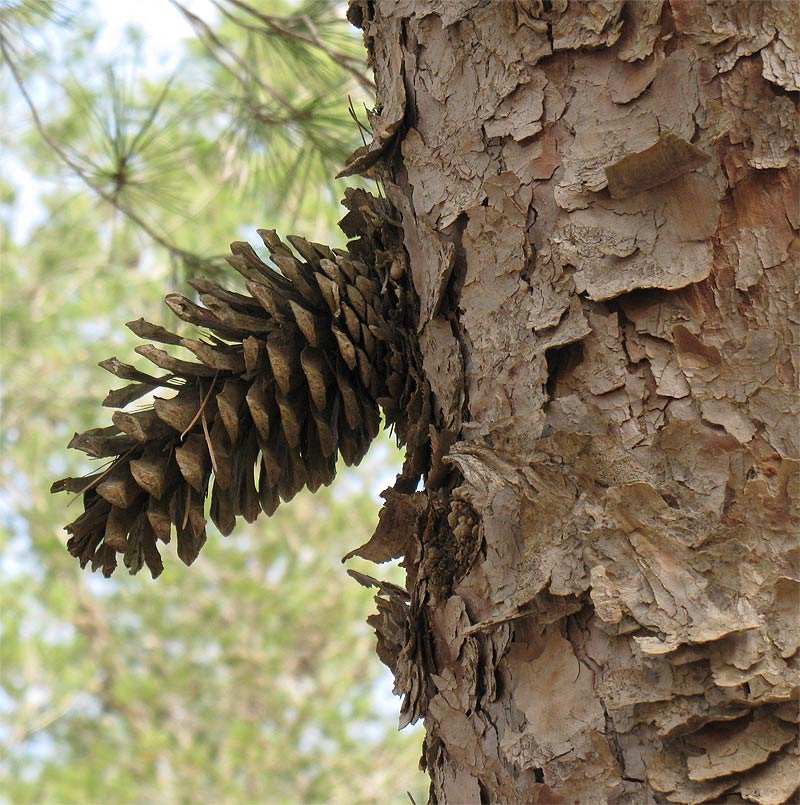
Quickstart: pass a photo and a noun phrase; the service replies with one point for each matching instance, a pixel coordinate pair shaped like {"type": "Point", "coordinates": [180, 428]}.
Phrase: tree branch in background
{"type": "Point", "coordinates": [189, 258]}
{"type": "Point", "coordinates": [282, 132]}
{"type": "Point", "coordinates": [281, 25]}
{"type": "Point", "coordinates": [203, 30]}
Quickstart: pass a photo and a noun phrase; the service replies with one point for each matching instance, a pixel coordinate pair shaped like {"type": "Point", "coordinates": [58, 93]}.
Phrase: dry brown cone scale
{"type": "Point", "coordinates": [285, 380]}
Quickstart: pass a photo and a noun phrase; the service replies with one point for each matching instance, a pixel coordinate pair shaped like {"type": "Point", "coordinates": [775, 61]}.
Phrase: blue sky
{"type": "Point", "coordinates": [161, 23]}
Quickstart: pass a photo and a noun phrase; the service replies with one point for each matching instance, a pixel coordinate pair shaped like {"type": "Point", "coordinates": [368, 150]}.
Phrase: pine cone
{"type": "Point", "coordinates": [289, 377]}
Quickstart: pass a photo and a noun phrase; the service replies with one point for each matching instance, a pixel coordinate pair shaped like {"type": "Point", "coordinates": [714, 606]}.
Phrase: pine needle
{"type": "Point", "coordinates": [202, 406]}
{"type": "Point", "coordinates": [95, 481]}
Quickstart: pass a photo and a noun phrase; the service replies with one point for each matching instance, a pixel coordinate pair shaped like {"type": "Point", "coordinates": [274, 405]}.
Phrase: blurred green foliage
{"type": "Point", "coordinates": [251, 677]}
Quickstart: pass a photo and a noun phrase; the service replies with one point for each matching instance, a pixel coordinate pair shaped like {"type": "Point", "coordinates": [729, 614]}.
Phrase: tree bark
{"type": "Point", "coordinates": [599, 204]}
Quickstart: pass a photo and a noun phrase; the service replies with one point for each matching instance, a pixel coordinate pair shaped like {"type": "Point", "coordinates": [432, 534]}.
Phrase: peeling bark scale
{"type": "Point", "coordinates": [599, 204]}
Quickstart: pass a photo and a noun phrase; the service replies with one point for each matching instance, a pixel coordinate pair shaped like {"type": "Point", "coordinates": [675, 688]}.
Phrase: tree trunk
{"type": "Point", "coordinates": [600, 211]}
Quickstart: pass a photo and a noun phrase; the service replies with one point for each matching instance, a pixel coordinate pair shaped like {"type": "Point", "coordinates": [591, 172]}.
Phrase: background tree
{"type": "Point", "coordinates": [122, 686]}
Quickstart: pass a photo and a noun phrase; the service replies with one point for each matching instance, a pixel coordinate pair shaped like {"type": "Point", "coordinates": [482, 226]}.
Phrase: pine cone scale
{"type": "Point", "coordinates": [255, 355]}
{"type": "Point", "coordinates": [318, 376]}
{"type": "Point", "coordinates": [164, 360]}
{"type": "Point", "coordinates": [229, 404]}
{"type": "Point", "coordinates": [152, 473]}
{"type": "Point", "coordinates": [193, 462]}
{"type": "Point", "coordinates": [102, 442]}
{"type": "Point", "coordinates": [144, 426]}
{"type": "Point", "coordinates": [311, 326]}
{"type": "Point", "coordinates": [118, 487]}
{"type": "Point", "coordinates": [152, 332]}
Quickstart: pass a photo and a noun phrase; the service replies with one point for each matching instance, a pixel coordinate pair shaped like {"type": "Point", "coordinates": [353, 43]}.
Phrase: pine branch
{"type": "Point", "coordinates": [187, 257]}
{"type": "Point", "coordinates": [281, 25]}
{"type": "Point", "coordinates": [204, 31]}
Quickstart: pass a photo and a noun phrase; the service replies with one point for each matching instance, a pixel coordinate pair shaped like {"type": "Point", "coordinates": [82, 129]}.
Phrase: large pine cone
{"type": "Point", "coordinates": [288, 378]}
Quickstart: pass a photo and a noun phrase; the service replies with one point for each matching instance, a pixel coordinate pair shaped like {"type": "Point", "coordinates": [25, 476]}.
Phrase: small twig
{"type": "Point", "coordinates": [494, 622]}
{"type": "Point", "coordinates": [188, 505]}
{"type": "Point", "coordinates": [359, 124]}
{"type": "Point", "coordinates": [208, 442]}
{"type": "Point", "coordinates": [23, 733]}
{"type": "Point", "coordinates": [202, 406]}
